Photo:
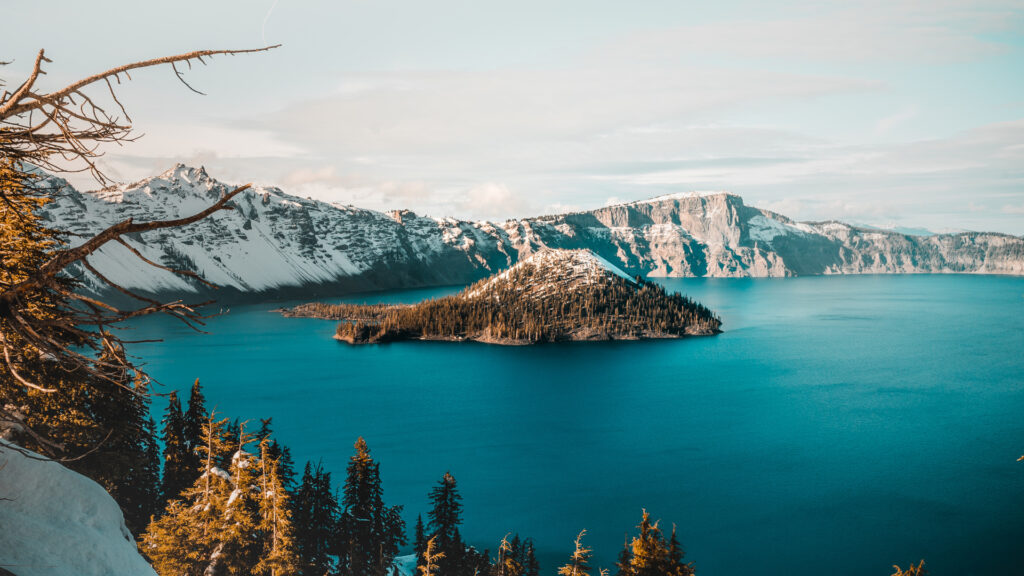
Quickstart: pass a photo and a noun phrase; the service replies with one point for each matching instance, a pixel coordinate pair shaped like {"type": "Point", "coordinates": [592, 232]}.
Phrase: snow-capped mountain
{"type": "Point", "coordinates": [274, 244]}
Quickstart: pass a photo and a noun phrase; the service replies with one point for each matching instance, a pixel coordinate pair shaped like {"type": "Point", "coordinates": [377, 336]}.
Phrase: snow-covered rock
{"type": "Point", "coordinates": [552, 271]}
{"type": "Point", "coordinates": [274, 244]}
{"type": "Point", "coordinates": [55, 522]}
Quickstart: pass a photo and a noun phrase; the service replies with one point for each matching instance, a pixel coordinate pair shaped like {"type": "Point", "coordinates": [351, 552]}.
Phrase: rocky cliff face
{"type": "Point", "coordinates": [276, 245]}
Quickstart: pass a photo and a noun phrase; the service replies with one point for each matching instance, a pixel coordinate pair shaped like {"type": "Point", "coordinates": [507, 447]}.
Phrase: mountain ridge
{"type": "Point", "coordinates": [275, 245]}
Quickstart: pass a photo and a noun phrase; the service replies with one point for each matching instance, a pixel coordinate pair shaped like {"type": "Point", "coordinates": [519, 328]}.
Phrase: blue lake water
{"type": "Point", "coordinates": [839, 425]}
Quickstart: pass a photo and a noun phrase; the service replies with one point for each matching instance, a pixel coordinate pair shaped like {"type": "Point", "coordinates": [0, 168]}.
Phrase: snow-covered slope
{"type": "Point", "coordinates": [549, 271]}
{"type": "Point", "coordinates": [274, 244]}
{"type": "Point", "coordinates": [55, 522]}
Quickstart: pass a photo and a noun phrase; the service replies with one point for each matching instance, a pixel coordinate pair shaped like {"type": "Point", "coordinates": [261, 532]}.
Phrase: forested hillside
{"type": "Point", "coordinates": [555, 295]}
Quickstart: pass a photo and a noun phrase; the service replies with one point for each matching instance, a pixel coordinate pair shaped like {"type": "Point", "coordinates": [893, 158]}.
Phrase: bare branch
{"type": "Point", "coordinates": [12, 108]}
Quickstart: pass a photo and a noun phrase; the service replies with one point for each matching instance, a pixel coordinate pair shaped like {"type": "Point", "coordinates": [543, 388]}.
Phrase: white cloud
{"type": "Point", "coordinates": [492, 201]}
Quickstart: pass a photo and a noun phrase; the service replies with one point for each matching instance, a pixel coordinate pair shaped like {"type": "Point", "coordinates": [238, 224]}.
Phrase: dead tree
{"type": "Point", "coordinates": [42, 316]}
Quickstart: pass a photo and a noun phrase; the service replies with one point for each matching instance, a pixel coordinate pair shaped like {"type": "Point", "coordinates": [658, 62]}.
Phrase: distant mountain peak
{"type": "Point", "coordinates": [682, 196]}
{"type": "Point", "coordinates": [183, 171]}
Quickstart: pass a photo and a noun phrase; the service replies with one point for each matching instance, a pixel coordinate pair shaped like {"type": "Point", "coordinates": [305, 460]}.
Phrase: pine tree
{"type": "Point", "coordinates": [509, 562]}
{"type": "Point", "coordinates": [179, 473]}
{"type": "Point", "coordinates": [279, 555]}
{"type": "Point", "coordinates": [676, 555]}
{"type": "Point", "coordinates": [238, 545]}
{"type": "Point", "coordinates": [371, 533]}
{"type": "Point", "coordinates": [315, 520]}
{"type": "Point", "coordinates": [579, 562]}
{"type": "Point", "coordinates": [135, 446]}
{"type": "Point", "coordinates": [650, 555]}
{"type": "Point", "coordinates": [282, 454]}
{"type": "Point", "coordinates": [444, 519]}
{"type": "Point", "coordinates": [531, 563]}
{"type": "Point", "coordinates": [420, 542]}
{"type": "Point", "coordinates": [194, 419]}
{"type": "Point", "coordinates": [185, 540]}
{"type": "Point", "coordinates": [623, 566]}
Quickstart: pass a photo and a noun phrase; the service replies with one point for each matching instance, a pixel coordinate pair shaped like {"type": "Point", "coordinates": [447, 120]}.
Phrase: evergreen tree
{"type": "Point", "coordinates": [279, 555]}
{"type": "Point", "coordinates": [444, 518]}
{"type": "Point", "coordinates": [649, 554]}
{"type": "Point", "coordinates": [676, 555]}
{"type": "Point", "coordinates": [623, 565]}
{"type": "Point", "coordinates": [370, 532]}
{"type": "Point", "coordinates": [133, 445]}
{"type": "Point", "coordinates": [185, 540]}
{"type": "Point", "coordinates": [420, 542]}
{"type": "Point", "coordinates": [579, 562]}
{"type": "Point", "coordinates": [179, 471]}
{"type": "Point", "coordinates": [238, 548]}
{"type": "Point", "coordinates": [509, 561]}
{"type": "Point", "coordinates": [315, 520]}
{"type": "Point", "coordinates": [530, 563]}
{"type": "Point", "coordinates": [282, 454]}
{"type": "Point", "coordinates": [195, 418]}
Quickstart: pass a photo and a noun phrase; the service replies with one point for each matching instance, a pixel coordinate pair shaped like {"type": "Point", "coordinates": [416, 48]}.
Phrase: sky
{"type": "Point", "coordinates": [889, 113]}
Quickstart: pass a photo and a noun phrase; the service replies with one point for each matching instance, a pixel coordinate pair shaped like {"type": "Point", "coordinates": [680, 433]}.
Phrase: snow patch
{"type": "Point", "coordinates": [57, 522]}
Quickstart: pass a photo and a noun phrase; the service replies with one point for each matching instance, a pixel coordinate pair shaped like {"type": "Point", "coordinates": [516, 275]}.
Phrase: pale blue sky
{"type": "Point", "coordinates": [881, 112]}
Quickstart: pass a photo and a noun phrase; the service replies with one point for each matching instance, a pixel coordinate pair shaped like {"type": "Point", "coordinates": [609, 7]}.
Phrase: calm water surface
{"type": "Point", "coordinates": [839, 425]}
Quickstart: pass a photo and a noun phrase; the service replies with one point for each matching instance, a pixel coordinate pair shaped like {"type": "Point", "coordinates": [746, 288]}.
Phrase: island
{"type": "Point", "coordinates": [550, 296]}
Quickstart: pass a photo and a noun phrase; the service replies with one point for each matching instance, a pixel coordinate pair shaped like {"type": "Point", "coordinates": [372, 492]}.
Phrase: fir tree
{"type": "Point", "coordinates": [509, 562]}
{"type": "Point", "coordinates": [138, 482]}
{"type": "Point", "coordinates": [238, 548]}
{"type": "Point", "coordinates": [676, 555]}
{"type": "Point", "coordinates": [279, 555]}
{"type": "Point", "coordinates": [179, 470]}
{"type": "Point", "coordinates": [195, 418]}
{"type": "Point", "coordinates": [623, 565]}
{"type": "Point", "coordinates": [282, 454]}
{"type": "Point", "coordinates": [649, 554]}
{"type": "Point", "coordinates": [420, 541]}
{"type": "Point", "coordinates": [315, 520]}
{"type": "Point", "coordinates": [531, 564]}
{"type": "Point", "coordinates": [371, 533]}
{"type": "Point", "coordinates": [444, 518]}
{"type": "Point", "coordinates": [185, 540]}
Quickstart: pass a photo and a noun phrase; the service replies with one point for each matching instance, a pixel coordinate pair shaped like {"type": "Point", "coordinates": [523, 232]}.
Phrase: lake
{"type": "Point", "coordinates": [839, 425]}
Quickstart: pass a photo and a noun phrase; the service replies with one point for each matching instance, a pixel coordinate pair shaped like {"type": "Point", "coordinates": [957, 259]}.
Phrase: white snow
{"type": "Point", "coordinates": [234, 496]}
{"type": "Point", "coordinates": [218, 472]}
{"type": "Point", "coordinates": [766, 229]}
{"type": "Point", "coordinates": [568, 266]}
{"type": "Point", "coordinates": [406, 565]}
{"type": "Point", "coordinates": [680, 196]}
{"type": "Point", "coordinates": [55, 522]}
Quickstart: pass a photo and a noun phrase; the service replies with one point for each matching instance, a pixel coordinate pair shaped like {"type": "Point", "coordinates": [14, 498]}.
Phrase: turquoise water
{"type": "Point", "coordinates": [839, 425]}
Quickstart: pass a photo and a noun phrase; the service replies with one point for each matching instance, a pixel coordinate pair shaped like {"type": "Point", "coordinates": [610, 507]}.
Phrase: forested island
{"type": "Point", "coordinates": [552, 296]}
